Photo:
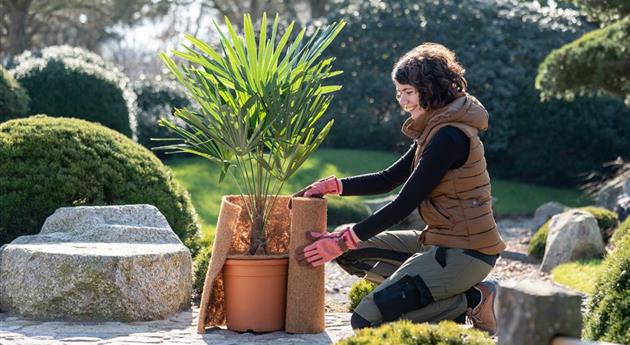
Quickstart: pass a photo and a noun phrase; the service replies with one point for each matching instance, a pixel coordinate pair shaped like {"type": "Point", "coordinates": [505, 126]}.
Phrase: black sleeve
{"type": "Point", "coordinates": [448, 149]}
{"type": "Point", "coordinates": [383, 181]}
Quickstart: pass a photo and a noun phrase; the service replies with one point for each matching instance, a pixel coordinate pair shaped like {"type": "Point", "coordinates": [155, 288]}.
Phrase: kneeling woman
{"type": "Point", "coordinates": [437, 273]}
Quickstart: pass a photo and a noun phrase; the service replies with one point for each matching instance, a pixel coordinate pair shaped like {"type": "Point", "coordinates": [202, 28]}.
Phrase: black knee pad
{"type": "Point", "coordinates": [407, 294]}
{"type": "Point", "coordinates": [357, 321]}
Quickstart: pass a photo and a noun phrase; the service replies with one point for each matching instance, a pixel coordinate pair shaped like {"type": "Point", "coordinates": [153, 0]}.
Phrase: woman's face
{"type": "Point", "coordinates": [409, 99]}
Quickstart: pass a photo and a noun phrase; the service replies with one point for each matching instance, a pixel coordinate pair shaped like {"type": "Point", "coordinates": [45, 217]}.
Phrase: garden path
{"type": "Point", "coordinates": [181, 328]}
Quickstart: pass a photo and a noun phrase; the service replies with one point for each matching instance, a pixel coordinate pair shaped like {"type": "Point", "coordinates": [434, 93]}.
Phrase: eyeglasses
{"type": "Point", "coordinates": [408, 92]}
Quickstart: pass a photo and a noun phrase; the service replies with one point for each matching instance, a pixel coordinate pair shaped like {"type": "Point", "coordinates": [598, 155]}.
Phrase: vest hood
{"type": "Point", "coordinates": [466, 110]}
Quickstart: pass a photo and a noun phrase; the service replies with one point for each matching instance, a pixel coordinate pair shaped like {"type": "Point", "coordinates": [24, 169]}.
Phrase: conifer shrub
{"type": "Point", "coordinates": [606, 221]}
{"type": "Point", "coordinates": [607, 318]}
{"type": "Point", "coordinates": [622, 231]}
{"type": "Point", "coordinates": [358, 291]}
{"type": "Point", "coordinates": [47, 163]}
{"type": "Point", "coordinates": [407, 333]}
{"type": "Point", "coordinates": [13, 98]}
{"type": "Point", "coordinates": [72, 82]}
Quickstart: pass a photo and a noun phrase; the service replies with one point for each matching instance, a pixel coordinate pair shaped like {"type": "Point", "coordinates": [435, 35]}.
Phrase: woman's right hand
{"type": "Point", "coordinates": [329, 185]}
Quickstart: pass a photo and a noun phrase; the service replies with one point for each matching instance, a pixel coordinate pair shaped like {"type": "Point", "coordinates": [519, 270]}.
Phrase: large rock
{"type": "Point", "coordinates": [573, 235]}
{"type": "Point", "coordinates": [412, 221]}
{"type": "Point", "coordinates": [120, 263]}
{"type": "Point", "coordinates": [544, 212]}
{"type": "Point", "coordinates": [534, 312]}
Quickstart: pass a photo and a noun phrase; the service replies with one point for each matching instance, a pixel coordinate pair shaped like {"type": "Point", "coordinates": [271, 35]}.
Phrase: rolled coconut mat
{"type": "Point", "coordinates": [305, 290]}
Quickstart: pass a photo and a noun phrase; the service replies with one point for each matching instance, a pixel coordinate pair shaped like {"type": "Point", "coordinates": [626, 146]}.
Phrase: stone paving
{"type": "Point", "coordinates": [179, 329]}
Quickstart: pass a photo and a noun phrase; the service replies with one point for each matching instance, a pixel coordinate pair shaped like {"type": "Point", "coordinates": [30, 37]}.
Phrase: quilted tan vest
{"type": "Point", "coordinates": [458, 212]}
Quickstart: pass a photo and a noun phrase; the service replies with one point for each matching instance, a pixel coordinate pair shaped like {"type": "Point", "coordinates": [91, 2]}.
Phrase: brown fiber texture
{"type": "Point", "coordinates": [232, 240]}
{"type": "Point", "coordinates": [305, 288]}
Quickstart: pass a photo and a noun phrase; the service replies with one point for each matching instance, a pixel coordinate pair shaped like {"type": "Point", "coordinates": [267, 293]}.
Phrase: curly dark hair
{"type": "Point", "coordinates": [432, 69]}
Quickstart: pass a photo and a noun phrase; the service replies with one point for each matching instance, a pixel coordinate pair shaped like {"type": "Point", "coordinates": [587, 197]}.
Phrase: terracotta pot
{"type": "Point", "coordinates": [255, 294]}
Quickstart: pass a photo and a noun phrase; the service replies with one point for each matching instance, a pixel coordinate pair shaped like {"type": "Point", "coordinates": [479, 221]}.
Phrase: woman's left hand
{"type": "Point", "coordinates": [327, 246]}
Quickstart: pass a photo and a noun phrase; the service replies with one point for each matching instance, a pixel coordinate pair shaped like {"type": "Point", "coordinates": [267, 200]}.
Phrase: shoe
{"type": "Point", "coordinates": [482, 316]}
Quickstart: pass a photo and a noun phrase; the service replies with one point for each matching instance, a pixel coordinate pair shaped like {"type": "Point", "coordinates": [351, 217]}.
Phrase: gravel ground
{"type": "Point", "coordinates": [513, 263]}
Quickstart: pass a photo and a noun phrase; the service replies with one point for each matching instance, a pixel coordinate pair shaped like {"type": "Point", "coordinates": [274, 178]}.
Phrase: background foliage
{"type": "Point", "coordinates": [157, 98]}
{"type": "Point", "coordinates": [500, 42]}
{"type": "Point", "coordinates": [47, 163]}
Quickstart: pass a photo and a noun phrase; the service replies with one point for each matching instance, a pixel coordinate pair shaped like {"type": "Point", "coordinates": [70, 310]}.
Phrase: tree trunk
{"type": "Point", "coordinates": [18, 14]}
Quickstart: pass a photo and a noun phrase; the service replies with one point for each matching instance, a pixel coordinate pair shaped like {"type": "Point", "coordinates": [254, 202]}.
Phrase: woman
{"type": "Point", "coordinates": [437, 273]}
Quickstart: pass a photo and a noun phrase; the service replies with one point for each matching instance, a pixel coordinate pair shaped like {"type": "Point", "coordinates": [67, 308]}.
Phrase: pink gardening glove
{"type": "Point", "coordinates": [328, 185]}
{"type": "Point", "coordinates": [327, 247]}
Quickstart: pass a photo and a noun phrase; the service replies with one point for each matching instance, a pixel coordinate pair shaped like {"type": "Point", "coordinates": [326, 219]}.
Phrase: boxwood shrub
{"type": "Point", "coordinates": [358, 291]}
{"type": "Point", "coordinates": [47, 163]}
{"type": "Point", "coordinates": [157, 99]}
{"type": "Point", "coordinates": [61, 83]}
{"type": "Point", "coordinates": [606, 221]}
{"type": "Point", "coordinates": [607, 318]}
{"type": "Point", "coordinates": [407, 333]}
{"type": "Point", "coordinates": [13, 98]}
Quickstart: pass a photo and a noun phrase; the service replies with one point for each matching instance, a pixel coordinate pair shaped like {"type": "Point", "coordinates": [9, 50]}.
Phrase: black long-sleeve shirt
{"type": "Point", "coordinates": [448, 149]}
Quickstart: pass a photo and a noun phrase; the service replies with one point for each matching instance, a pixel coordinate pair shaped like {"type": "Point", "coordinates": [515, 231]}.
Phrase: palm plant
{"type": "Point", "coordinates": [259, 102]}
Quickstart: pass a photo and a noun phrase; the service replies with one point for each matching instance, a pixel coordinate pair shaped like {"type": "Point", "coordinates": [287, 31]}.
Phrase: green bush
{"type": "Point", "coordinates": [407, 333]}
{"type": "Point", "coordinates": [537, 245]}
{"type": "Point", "coordinates": [157, 99]}
{"type": "Point", "coordinates": [501, 43]}
{"type": "Point", "coordinates": [607, 316]}
{"type": "Point", "coordinates": [13, 98]}
{"type": "Point", "coordinates": [200, 266]}
{"type": "Point", "coordinates": [47, 163]}
{"type": "Point", "coordinates": [606, 221]}
{"type": "Point", "coordinates": [622, 230]}
{"type": "Point", "coordinates": [61, 84]}
{"type": "Point", "coordinates": [358, 291]}
{"type": "Point", "coordinates": [346, 210]}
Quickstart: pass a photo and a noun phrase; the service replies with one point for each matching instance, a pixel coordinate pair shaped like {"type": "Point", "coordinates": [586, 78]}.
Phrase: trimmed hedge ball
{"type": "Point", "coordinates": [62, 84]}
{"type": "Point", "coordinates": [13, 98]}
{"type": "Point", "coordinates": [47, 163]}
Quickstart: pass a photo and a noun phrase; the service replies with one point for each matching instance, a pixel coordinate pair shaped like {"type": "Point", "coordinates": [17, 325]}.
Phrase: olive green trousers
{"type": "Point", "coordinates": [416, 282]}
